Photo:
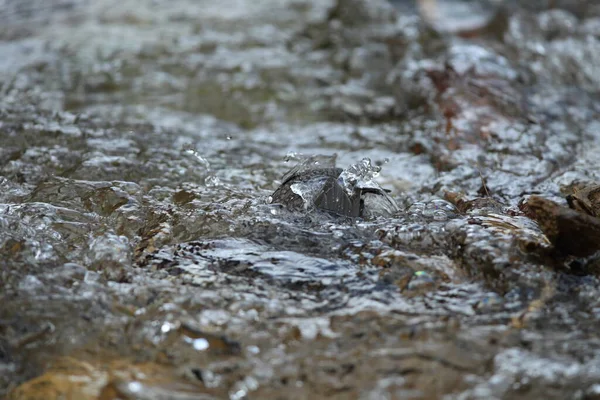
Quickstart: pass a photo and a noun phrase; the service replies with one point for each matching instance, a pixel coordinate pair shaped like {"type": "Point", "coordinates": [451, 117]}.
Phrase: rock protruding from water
{"type": "Point", "coordinates": [352, 192]}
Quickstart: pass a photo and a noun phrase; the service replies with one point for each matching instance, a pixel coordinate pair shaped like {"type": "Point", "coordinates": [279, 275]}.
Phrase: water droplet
{"type": "Point", "coordinates": [134, 387]}
{"type": "Point", "coordinates": [238, 395]}
{"type": "Point", "coordinates": [199, 344]}
{"type": "Point", "coordinates": [212, 181]}
{"type": "Point", "coordinates": [291, 155]}
{"type": "Point", "coordinates": [202, 160]}
{"type": "Point", "coordinates": [166, 327]}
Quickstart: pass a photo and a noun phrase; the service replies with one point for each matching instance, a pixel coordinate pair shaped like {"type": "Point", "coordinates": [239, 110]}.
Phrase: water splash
{"type": "Point", "coordinates": [310, 163]}
{"type": "Point", "coordinates": [360, 176]}
{"type": "Point", "coordinates": [309, 190]}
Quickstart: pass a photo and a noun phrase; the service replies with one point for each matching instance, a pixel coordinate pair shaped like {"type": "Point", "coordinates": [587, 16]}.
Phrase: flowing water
{"type": "Point", "coordinates": [142, 256]}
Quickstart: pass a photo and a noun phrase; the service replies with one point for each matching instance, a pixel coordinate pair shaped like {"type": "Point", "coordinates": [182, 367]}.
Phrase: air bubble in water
{"type": "Point", "coordinates": [439, 210]}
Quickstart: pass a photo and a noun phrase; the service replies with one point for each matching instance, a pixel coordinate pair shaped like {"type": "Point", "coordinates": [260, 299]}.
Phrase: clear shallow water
{"type": "Point", "coordinates": [139, 144]}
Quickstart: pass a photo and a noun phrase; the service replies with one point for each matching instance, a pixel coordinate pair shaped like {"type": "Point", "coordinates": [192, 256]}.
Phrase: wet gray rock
{"type": "Point", "coordinates": [350, 193]}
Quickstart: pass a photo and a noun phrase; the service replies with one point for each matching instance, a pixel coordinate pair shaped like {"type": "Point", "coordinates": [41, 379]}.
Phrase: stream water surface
{"type": "Point", "coordinates": [142, 255]}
